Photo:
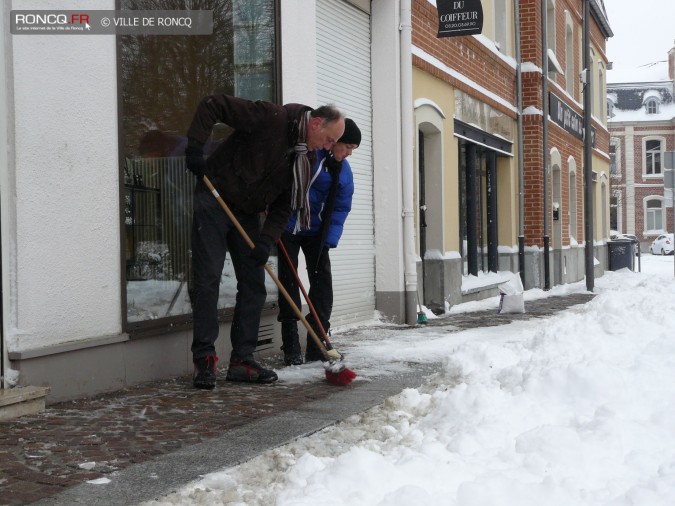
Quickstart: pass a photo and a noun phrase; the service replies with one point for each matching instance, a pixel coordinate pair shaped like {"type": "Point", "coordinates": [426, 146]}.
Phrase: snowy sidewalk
{"type": "Point", "coordinates": [143, 442]}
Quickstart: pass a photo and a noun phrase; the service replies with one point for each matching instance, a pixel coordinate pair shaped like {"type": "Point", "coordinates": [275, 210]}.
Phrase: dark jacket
{"type": "Point", "coordinates": [319, 190]}
{"type": "Point", "coordinates": [253, 168]}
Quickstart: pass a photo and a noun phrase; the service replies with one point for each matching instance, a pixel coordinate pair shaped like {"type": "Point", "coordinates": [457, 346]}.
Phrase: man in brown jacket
{"type": "Point", "coordinates": [263, 165]}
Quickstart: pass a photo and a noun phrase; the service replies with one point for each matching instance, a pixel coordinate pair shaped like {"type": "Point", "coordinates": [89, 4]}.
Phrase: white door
{"type": "Point", "coordinates": [343, 72]}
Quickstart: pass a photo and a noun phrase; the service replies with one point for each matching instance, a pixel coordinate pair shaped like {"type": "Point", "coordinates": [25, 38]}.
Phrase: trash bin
{"type": "Point", "coordinates": [621, 254]}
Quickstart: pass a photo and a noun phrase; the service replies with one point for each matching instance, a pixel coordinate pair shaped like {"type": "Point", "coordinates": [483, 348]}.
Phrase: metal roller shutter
{"type": "Point", "coordinates": [343, 68]}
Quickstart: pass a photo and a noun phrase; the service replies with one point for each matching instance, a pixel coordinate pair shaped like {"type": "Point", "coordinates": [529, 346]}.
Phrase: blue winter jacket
{"type": "Point", "coordinates": [318, 194]}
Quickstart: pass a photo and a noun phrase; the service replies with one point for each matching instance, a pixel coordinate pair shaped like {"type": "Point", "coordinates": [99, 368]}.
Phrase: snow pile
{"type": "Point", "coordinates": [577, 409]}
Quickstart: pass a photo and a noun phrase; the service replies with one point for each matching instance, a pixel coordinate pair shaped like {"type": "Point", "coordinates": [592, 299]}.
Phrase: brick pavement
{"type": "Point", "coordinates": [42, 455]}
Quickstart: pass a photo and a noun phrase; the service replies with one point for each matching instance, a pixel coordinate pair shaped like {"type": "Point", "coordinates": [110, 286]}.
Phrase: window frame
{"type": "Point", "coordinates": [594, 81]}
{"type": "Point", "coordinates": [570, 59]}
{"type": "Point", "coordinates": [183, 322]}
{"type": "Point", "coordinates": [652, 106]}
{"type": "Point", "coordinates": [501, 26]}
{"type": "Point", "coordinates": [572, 197]}
{"type": "Point", "coordinates": [645, 154]}
{"type": "Point", "coordinates": [647, 211]}
{"type": "Point", "coordinates": [616, 160]}
{"type": "Point", "coordinates": [601, 93]}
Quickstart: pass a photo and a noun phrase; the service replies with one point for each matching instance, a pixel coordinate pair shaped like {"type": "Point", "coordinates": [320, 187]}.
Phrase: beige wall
{"type": "Point", "coordinates": [442, 95]}
{"type": "Point", "coordinates": [433, 90]}
{"type": "Point", "coordinates": [601, 166]}
{"type": "Point", "coordinates": [507, 182]}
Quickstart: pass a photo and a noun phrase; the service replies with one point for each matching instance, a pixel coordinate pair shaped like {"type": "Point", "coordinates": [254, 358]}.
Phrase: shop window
{"type": "Point", "coordinates": [162, 79]}
{"type": "Point", "coordinates": [478, 204]}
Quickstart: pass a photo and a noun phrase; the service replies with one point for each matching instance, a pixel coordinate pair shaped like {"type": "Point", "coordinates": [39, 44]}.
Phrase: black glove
{"type": "Point", "coordinates": [261, 253]}
{"type": "Point", "coordinates": [194, 160]}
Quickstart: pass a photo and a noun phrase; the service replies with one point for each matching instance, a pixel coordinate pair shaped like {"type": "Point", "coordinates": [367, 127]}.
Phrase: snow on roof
{"type": "Point", "coordinates": [654, 72]}
{"type": "Point", "coordinates": [651, 94]}
{"type": "Point", "coordinates": [666, 113]}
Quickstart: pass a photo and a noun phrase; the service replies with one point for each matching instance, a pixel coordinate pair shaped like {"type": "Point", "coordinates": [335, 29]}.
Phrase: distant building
{"type": "Point", "coordinates": [641, 115]}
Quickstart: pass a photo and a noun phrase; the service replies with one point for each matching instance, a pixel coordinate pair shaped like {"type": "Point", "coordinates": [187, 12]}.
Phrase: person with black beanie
{"type": "Point", "coordinates": [330, 201]}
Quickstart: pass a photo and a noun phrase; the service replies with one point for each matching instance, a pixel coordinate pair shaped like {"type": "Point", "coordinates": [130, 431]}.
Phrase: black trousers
{"type": "Point", "coordinates": [320, 278]}
{"type": "Point", "coordinates": [213, 235]}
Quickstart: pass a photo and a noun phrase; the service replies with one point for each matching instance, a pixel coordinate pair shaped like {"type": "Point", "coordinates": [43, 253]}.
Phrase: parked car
{"type": "Point", "coordinates": [662, 245]}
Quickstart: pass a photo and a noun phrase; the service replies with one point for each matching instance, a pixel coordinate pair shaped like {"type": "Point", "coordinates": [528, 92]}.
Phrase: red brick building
{"type": "Point", "coordinates": [641, 113]}
{"type": "Point", "coordinates": [474, 221]}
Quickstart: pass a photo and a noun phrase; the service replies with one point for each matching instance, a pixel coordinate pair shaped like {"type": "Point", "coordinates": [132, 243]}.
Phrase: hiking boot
{"type": "Point", "coordinates": [250, 371]}
{"type": "Point", "coordinates": [205, 372]}
{"type": "Point", "coordinates": [291, 343]}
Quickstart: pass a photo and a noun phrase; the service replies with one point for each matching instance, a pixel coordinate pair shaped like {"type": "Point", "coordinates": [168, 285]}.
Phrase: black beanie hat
{"type": "Point", "coordinates": [352, 133]}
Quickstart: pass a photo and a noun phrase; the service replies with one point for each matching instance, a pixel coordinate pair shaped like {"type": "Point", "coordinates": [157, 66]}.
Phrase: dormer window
{"type": "Point", "coordinates": [651, 101]}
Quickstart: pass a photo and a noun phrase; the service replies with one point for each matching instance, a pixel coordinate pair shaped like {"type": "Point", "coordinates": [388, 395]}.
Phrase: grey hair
{"type": "Point", "coordinates": [328, 113]}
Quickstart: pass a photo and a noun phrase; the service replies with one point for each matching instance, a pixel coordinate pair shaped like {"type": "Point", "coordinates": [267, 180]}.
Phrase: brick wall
{"type": "Point", "coordinates": [463, 54]}
{"type": "Point", "coordinates": [472, 59]}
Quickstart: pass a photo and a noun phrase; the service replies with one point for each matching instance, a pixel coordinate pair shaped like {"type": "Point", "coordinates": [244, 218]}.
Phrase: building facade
{"type": "Point", "coordinates": [95, 201]}
{"type": "Point", "coordinates": [474, 218]}
{"type": "Point", "coordinates": [641, 114]}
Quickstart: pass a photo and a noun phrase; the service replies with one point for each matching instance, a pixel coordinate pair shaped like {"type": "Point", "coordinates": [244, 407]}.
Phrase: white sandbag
{"type": "Point", "coordinates": [512, 299]}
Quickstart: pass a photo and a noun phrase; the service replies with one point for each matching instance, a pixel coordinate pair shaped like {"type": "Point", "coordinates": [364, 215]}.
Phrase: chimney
{"type": "Point", "coordinates": [671, 64]}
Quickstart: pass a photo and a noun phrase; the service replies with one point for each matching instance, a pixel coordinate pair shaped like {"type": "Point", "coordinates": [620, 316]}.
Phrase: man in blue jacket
{"type": "Point", "coordinates": [330, 200]}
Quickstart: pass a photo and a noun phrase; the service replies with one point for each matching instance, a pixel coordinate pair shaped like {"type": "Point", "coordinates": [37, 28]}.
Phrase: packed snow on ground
{"type": "Point", "coordinates": [575, 409]}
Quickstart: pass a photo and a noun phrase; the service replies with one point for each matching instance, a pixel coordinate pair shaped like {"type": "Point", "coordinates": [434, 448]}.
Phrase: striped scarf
{"type": "Point", "coordinates": [301, 178]}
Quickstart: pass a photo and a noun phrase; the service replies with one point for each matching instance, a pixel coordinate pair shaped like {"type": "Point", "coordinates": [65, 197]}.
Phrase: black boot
{"type": "Point", "coordinates": [291, 343]}
{"type": "Point", "coordinates": [312, 351]}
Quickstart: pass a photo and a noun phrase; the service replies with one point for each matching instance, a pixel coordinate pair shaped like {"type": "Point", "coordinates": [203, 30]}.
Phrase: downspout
{"type": "Point", "coordinates": [407, 139]}
{"type": "Point", "coordinates": [521, 179]}
{"type": "Point", "coordinates": [589, 255]}
{"type": "Point", "coordinates": [544, 115]}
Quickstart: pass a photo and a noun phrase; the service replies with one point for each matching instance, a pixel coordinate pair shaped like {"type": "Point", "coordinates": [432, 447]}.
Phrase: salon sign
{"type": "Point", "coordinates": [459, 17]}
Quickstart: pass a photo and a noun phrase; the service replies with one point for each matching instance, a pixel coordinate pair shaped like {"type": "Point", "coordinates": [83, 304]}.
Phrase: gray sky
{"type": "Point", "coordinates": [644, 31]}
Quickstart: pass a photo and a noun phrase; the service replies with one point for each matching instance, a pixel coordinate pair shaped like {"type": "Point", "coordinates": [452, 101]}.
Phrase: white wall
{"type": "Point", "coordinates": [64, 247]}
{"type": "Point", "coordinates": [385, 59]}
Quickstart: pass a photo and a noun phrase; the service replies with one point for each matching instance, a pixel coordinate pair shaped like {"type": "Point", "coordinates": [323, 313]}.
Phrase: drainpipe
{"type": "Point", "coordinates": [589, 254]}
{"type": "Point", "coordinates": [521, 180]}
{"type": "Point", "coordinates": [544, 101]}
{"type": "Point", "coordinates": [407, 139]}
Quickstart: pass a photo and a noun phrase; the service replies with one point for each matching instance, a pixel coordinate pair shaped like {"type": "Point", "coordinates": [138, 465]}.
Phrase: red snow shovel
{"type": "Point", "coordinates": [336, 372]}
